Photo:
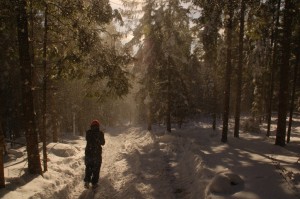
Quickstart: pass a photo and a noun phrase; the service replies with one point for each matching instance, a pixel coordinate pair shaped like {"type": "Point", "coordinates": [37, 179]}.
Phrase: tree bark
{"type": "Point", "coordinates": [240, 71]}
{"type": "Point", "coordinates": [44, 133]}
{"type": "Point", "coordinates": [284, 74]}
{"type": "Point", "coordinates": [168, 112]}
{"type": "Point", "coordinates": [294, 91]}
{"type": "Point", "coordinates": [34, 164]}
{"type": "Point", "coordinates": [55, 130]}
{"type": "Point", "coordinates": [2, 150]}
{"type": "Point", "coordinates": [227, 73]}
{"type": "Point", "coordinates": [273, 66]}
{"type": "Point", "coordinates": [149, 117]}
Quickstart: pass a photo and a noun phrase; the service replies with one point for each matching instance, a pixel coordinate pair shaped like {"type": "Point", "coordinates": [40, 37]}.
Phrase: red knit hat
{"type": "Point", "coordinates": [95, 123]}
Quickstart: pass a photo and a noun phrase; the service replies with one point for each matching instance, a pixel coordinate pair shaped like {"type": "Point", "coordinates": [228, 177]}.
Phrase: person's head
{"type": "Point", "coordinates": [95, 124]}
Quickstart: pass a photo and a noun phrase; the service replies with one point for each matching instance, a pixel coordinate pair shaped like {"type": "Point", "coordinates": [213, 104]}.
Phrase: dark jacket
{"type": "Point", "coordinates": [93, 151]}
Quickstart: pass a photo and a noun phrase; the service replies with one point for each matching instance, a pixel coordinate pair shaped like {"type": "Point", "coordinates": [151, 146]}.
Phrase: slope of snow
{"type": "Point", "coordinates": [188, 163]}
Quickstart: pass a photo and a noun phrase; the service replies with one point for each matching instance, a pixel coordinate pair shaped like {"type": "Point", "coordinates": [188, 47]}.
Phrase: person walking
{"type": "Point", "coordinates": [93, 154]}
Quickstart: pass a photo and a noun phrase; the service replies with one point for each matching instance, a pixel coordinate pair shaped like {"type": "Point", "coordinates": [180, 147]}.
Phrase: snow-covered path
{"type": "Point", "coordinates": [132, 167]}
{"type": "Point", "coordinates": [189, 163]}
{"type": "Point", "coordinates": [139, 164]}
{"type": "Point", "coordinates": [114, 143]}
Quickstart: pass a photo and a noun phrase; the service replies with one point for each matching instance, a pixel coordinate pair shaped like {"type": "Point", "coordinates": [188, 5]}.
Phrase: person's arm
{"type": "Point", "coordinates": [102, 139]}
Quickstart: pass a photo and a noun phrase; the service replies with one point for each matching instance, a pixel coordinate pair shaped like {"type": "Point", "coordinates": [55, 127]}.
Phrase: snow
{"type": "Point", "coordinates": [188, 163]}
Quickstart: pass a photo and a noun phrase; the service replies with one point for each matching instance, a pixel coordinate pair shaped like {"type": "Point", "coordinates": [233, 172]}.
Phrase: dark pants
{"type": "Point", "coordinates": [92, 170]}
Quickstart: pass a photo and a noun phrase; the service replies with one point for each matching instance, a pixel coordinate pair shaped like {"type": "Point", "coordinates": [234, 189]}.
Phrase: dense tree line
{"type": "Point", "coordinates": [226, 58]}
{"type": "Point", "coordinates": [58, 60]}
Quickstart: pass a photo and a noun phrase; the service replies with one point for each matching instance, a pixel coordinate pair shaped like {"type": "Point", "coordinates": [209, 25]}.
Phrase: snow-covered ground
{"type": "Point", "coordinates": [188, 163]}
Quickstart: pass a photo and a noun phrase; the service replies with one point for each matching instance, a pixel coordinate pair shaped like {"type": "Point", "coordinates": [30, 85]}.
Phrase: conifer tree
{"type": "Point", "coordinates": [284, 72]}
{"type": "Point", "coordinates": [34, 165]}
{"type": "Point", "coordinates": [240, 70]}
{"type": "Point", "coordinates": [227, 78]}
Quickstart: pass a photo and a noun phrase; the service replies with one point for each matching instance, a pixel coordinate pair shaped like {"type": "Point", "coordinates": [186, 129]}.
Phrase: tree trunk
{"type": "Point", "coordinates": [273, 66]}
{"type": "Point", "coordinates": [214, 119]}
{"type": "Point", "coordinates": [2, 150]}
{"type": "Point", "coordinates": [168, 112]}
{"type": "Point", "coordinates": [31, 47]}
{"type": "Point", "coordinates": [240, 72]}
{"type": "Point", "coordinates": [55, 131]}
{"type": "Point", "coordinates": [293, 91]}
{"type": "Point", "coordinates": [34, 164]}
{"type": "Point", "coordinates": [149, 117]}
{"type": "Point", "coordinates": [44, 133]}
{"type": "Point", "coordinates": [284, 74]}
{"type": "Point", "coordinates": [227, 73]}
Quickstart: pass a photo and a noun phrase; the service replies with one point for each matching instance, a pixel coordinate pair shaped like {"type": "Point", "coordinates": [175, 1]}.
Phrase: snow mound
{"type": "Point", "coordinates": [225, 183]}
{"type": "Point", "coordinates": [138, 140]}
{"type": "Point", "coordinates": [62, 150]}
{"type": "Point", "coordinates": [185, 166]}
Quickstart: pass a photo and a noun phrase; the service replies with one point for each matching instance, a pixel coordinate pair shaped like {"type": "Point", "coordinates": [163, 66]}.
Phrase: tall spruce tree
{"type": "Point", "coordinates": [162, 59]}
{"type": "Point", "coordinates": [293, 96]}
{"type": "Point", "coordinates": [227, 77]}
{"type": "Point", "coordinates": [296, 63]}
{"type": "Point", "coordinates": [34, 165]}
{"type": "Point", "coordinates": [273, 62]}
{"type": "Point", "coordinates": [284, 72]}
{"type": "Point", "coordinates": [210, 20]}
{"type": "Point", "coordinates": [240, 70]}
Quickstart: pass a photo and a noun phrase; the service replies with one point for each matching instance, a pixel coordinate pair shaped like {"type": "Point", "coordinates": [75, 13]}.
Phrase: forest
{"type": "Point", "coordinates": [66, 62]}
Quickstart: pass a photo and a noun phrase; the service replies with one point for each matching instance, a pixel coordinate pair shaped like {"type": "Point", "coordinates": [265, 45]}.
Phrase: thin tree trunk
{"type": "Point", "coordinates": [44, 133]}
{"type": "Point", "coordinates": [168, 112]}
{"type": "Point", "coordinates": [2, 150]}
{"type": "Point", "coordinates": [149, 117]}
{"type": "Point", "coordinates": [284, 74]}
{"type": "Point", "coordinates": [31, 33]}
{"type": "Point", "coordinates": [273, 66]}
{"type": "Point", "coordinates": [34, 164]}
{"type": "Point", "coordinates": [214, 119]}
{"type": "Point", "coordinates": [80, 125]}
{"type": "Point", "coordinates": [240, 71]}
{"type": "Point", "coordinates": [293, 92]}
{"type": "Point", "coordinates": [55, 131]}
{"type": "Point", "coordinates": [227, 73]}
